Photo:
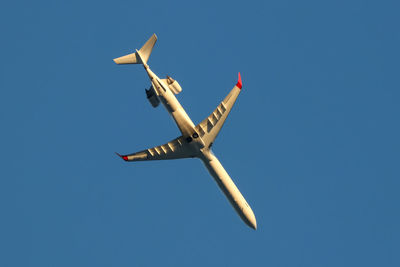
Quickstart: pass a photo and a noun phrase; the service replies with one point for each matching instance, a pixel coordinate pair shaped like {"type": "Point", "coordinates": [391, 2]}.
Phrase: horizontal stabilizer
{"type": "Point", "coordinates": [141, 56]}
{"type": "Point", "coordinates": [128, 59]}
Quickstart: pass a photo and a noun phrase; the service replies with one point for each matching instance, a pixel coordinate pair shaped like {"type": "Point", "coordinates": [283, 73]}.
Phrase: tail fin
{"type": "Point", "coordinates": [141, 56]}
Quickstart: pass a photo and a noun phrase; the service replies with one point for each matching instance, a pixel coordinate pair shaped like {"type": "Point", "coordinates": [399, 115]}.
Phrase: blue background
{"type": "Point", "coordinates": [312, 142]}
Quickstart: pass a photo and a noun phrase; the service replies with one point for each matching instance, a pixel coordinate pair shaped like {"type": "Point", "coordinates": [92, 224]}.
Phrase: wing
{"type": "Point", "coordinates": [209, 128]}
{"type": "Point", "coordinates": [175, 149]}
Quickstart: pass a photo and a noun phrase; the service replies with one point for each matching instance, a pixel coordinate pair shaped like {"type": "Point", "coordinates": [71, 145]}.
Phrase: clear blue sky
{"type": "Point", "coordinates": [312, 142]}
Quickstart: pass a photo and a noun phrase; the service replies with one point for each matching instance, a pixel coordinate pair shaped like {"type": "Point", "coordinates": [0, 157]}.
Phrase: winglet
{"type": "Point", "coordinates": [239, 83]}
{"type": "Point", "coordinates": [122, 157]}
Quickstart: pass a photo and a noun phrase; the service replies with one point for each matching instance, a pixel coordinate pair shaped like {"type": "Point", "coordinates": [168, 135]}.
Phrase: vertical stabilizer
{"type": "Point", "coordinates": [134, 58]}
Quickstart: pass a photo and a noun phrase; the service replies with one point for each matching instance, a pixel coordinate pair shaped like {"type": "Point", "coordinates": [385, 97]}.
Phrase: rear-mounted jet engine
{"type": "Point", "coordinates": [152, 97]}
{"type": "Point", "coordinates": [173, 85]}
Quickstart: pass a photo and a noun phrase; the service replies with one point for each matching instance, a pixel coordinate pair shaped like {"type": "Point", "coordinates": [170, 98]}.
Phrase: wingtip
{"type": "Point", "coordinates": [122, 157]}
{"type": "Point", "coordinates": [239, 83]}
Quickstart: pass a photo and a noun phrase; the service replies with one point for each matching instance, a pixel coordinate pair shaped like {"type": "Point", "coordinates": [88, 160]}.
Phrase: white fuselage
{"type": "Point", "coordinates": [184, 123]}
{"type": "Point", "coordinates": [229, 188]}
{"type": "Point", "coordinates": [215, 168]}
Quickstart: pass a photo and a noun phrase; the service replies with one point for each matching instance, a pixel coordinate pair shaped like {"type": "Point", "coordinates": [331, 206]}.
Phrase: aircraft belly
{"type": "Point", "coordinates": [182, 120]}
{"type": "Point", "coordinates": [230, 190]}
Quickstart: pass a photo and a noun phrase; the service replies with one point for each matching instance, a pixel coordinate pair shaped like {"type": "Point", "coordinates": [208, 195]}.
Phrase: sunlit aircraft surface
{"type": "Point", "coordinates": [196, 140]}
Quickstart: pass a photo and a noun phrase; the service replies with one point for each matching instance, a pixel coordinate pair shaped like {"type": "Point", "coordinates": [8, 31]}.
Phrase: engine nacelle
{"type": "Point", "coordinates": [173, 85]}
{"type": "Point", "coordinates": [152, 97]}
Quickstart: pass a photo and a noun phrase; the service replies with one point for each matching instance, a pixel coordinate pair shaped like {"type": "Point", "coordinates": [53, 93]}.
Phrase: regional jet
{"type": "Point", "coordinates": [196, 140]}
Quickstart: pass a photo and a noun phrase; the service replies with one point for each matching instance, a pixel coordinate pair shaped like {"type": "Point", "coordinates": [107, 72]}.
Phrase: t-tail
{"type": "Point", "coordinates": [141, 56]}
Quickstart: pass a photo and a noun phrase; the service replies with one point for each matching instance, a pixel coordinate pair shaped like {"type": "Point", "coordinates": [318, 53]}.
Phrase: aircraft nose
{"type": "Point", "coordinates": [251, 219]}
{"type": "Point", "coordinates": [253, 222]}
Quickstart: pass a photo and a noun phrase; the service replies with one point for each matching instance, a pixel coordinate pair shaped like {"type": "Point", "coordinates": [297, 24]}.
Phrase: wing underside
{"type": "Point", "coordinates": [209, 128]}
{"type": "Point", "coordinates": [175, 149]}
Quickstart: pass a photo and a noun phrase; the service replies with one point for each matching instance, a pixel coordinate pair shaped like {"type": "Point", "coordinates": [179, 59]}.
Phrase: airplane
{"type": "Point", "coordinates": [196, 140]}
